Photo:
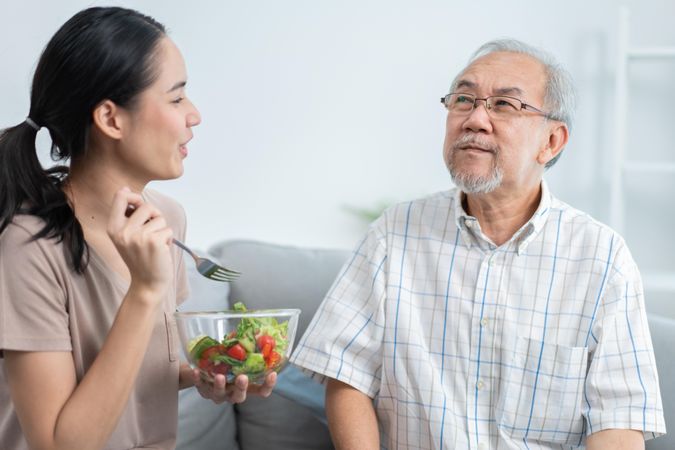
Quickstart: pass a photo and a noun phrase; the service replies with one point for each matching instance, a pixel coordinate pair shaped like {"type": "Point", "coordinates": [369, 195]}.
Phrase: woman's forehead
{"type": "Point", "coordinates": [170, 65]}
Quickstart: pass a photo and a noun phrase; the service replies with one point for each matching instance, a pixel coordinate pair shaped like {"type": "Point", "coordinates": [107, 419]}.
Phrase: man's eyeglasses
{"type": "Point", "coordinates": [498, 106]}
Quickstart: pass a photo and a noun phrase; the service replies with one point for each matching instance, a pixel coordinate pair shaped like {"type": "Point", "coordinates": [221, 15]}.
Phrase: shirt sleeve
{"type": "Point", "coordinates": [33, 309]}
{"type": "Point", "coordinates": [622, 384]}
{"type": "Point", "coordinates": [344, 339]}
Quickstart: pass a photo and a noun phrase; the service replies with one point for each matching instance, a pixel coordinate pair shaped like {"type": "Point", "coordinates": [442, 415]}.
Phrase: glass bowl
{"type": "Point", "coordinates": [254, 343]}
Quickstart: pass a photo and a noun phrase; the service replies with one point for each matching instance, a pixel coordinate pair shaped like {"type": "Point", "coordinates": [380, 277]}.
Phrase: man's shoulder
{"type": "Point", "coordinates": [416, 216]}
{"type": "Point", "coordinates": [589, 232]}
{"type": "Point", "coordinates": [570, 214]}
{"type": "Point", "coordinates": [431, 202]}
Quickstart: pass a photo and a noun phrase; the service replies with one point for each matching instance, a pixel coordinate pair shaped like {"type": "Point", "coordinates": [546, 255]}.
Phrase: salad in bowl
{"type": "Point", "coordinates": [236, 342]}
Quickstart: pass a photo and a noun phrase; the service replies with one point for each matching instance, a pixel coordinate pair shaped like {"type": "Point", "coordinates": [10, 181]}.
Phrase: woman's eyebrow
{"type": "Point", "coordinates": [178, 85]}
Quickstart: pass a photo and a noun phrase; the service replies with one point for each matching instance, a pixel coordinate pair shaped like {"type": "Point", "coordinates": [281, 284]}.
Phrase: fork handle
{"type": "Point", "coordinates": [184, 247]}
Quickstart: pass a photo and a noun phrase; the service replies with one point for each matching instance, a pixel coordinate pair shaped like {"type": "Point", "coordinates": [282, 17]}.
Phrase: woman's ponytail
{"type": "Point", "coordinates": [26, 188]}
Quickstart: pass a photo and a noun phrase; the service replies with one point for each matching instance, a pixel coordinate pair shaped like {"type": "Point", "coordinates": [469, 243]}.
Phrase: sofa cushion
{"type": "Point", "coordinates": [203, 425]}
{"type": "Point", "coordinates": [276, 276]}
{"type": "Point", "coordinates": [278, 423]}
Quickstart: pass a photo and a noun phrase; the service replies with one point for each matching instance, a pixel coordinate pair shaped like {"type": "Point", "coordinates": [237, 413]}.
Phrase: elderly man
{"type": "Point", "coordinates": [493, 315]}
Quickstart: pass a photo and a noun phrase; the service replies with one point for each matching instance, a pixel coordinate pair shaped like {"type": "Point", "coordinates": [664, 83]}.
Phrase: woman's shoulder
{"type": "Point", "coordinates": [159, 199]}
{"type": "Point", "coordinates": [22, 227]}
{"type": "Point", "coordinates": [18, 239]}
{"type": "Point", "coordinates": [172, 210]}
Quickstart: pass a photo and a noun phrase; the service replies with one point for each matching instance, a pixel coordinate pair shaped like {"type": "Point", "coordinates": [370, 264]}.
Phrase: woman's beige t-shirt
{"type": "Point", "coordinates": [46, 306]}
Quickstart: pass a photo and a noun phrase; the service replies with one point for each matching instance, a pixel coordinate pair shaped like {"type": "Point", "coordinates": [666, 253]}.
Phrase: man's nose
{"type": "Point", "coordinates": [479, 117]}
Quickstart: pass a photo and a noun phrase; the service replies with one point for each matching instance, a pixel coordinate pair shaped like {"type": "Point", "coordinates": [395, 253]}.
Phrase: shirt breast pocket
{"type": "Point", "coordinates": [171, 336]}
{"type": "Point", "coordinates": [541, 392]}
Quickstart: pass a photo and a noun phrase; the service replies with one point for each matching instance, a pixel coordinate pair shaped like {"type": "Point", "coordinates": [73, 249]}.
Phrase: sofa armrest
{"type": "Point", "coordinates": [662, 330]}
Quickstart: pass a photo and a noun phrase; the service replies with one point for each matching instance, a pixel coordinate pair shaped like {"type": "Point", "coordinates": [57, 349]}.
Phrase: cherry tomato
{"type": "Point", "coordinates": [204, 364]}
{"type": "Point", "coordinates": [213, 351]}
{"type": "Point", "coordinates": [273, 359]}
{"type": "Point", "coordinates": [266, 340]}
{"type": "Point", "coordinates": [237, 352]}
{"type": "Point", "coordinates": [220, 369]}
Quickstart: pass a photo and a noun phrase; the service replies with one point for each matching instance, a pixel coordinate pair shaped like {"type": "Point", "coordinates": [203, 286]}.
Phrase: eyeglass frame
{"type": "Point", "coordinates": [523, 105]}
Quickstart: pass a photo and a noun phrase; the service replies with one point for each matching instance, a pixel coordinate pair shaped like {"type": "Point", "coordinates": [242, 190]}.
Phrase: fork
{"type": "Point", "coordinates": [208, 268]}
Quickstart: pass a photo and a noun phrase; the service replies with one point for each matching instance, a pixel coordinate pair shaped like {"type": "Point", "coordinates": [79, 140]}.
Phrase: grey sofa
{"type": "Point", "coordinates": [292, 418]}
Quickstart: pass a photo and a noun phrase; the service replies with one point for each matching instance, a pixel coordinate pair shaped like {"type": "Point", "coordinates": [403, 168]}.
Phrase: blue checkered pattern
{"type": "Point", "coordinates": [534, 344]}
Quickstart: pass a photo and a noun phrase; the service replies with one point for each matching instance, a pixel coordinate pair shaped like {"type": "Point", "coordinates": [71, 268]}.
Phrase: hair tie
{"type": "Point", "coordinates": [32, 124]}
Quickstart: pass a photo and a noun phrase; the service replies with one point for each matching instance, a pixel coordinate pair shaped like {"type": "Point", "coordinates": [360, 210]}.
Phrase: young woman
{"type": "Point", "coordinates": [88, 291]}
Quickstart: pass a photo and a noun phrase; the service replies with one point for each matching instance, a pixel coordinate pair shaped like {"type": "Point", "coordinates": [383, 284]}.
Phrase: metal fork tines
{"type": "Point", "coordinates": [208, 268]}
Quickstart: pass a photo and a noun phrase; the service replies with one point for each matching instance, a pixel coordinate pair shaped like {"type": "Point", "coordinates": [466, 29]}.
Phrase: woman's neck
{"type": "Point", "coordinates": [90, 190]}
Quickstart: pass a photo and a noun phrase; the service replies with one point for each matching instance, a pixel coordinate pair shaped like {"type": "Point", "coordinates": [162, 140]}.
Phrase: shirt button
{"type": "Point", "coordinates": [484, 322]}
{"type": "Point", "coordinates": [479, 384]}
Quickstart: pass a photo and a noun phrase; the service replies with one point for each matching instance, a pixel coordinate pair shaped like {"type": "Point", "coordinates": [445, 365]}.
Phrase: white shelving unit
{"type": "Point", "coordinates": [627, 54]}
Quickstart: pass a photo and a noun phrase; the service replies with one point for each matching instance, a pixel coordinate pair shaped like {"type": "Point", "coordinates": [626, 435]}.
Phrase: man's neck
{"type": "Point", "coordinates": [503, 212]}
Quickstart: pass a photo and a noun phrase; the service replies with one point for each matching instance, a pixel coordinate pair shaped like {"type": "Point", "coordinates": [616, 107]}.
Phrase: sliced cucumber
{"type": "Point", "coordinates": [197, 346]}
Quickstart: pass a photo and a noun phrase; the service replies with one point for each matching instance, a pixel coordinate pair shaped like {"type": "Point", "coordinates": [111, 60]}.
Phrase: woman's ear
{"type": "Point", "coordinates": [557, 139]}
{"type": "Point", "coordinates": [108, 118]}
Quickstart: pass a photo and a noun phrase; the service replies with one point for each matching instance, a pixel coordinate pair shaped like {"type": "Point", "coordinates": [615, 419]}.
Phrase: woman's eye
{"type": "Point", "coordinates": [178, 100]}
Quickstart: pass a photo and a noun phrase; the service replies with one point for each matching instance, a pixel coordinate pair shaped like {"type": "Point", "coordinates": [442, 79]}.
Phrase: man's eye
{"type": "Point", "coordinates": [504, 103]}
{"type": "Point", "coordinates": [464, 99]}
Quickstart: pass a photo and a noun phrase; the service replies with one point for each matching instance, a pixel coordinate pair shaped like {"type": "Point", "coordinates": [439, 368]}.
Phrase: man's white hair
{"type": "Point", "coordinates": [559, 94]}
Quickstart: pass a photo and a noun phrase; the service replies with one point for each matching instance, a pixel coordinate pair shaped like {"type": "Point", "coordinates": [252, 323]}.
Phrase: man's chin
{"type": "Point", "coordinates": [473, 184]}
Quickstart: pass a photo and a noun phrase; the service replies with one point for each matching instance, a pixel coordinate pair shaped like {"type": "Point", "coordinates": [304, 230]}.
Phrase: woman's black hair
{"type": "Point", "coordinates": [99, 54]}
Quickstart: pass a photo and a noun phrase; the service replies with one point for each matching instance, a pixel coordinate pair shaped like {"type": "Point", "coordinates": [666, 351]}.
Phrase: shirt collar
{"type": "Point", "coordinates": [462, 218]}
{"type": "Point", "coordinates": [523, 236]}
{"type": "Point", "coordinates": [532, 228]}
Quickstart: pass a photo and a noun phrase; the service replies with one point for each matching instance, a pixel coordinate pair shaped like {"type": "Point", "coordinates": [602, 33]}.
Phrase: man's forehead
{"type": "Point", "coordinates": [505, 90]}
{"type": "Point", "coordinates": [504, 73]}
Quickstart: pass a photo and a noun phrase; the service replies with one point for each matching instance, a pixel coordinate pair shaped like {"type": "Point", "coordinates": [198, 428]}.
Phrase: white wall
{"type": "Point", "coordinates": [309, 106]}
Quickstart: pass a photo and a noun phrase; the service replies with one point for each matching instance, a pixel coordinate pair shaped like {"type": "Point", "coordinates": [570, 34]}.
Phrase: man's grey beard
{"type": "Point", "coordinates": [475, 184]}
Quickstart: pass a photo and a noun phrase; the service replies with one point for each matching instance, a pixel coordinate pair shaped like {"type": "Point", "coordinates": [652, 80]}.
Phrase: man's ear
{"type": "Point", "coordinates": [109, 119]}
{"type": "Point", "coordinates": [557, 139]}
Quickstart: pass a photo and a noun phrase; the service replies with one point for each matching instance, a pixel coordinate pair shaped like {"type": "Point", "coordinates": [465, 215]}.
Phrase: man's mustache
{"type": "Point", "coordinates": [475, 141]}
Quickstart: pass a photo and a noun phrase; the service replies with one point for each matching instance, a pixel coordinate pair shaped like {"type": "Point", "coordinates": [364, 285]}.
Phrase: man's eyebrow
{"type": "Point", "coordinates": [466, 84]}
{"type": "Point", "coordinates": [509, 91]}
{"type": "Point", "coordinates": [179, 85]}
